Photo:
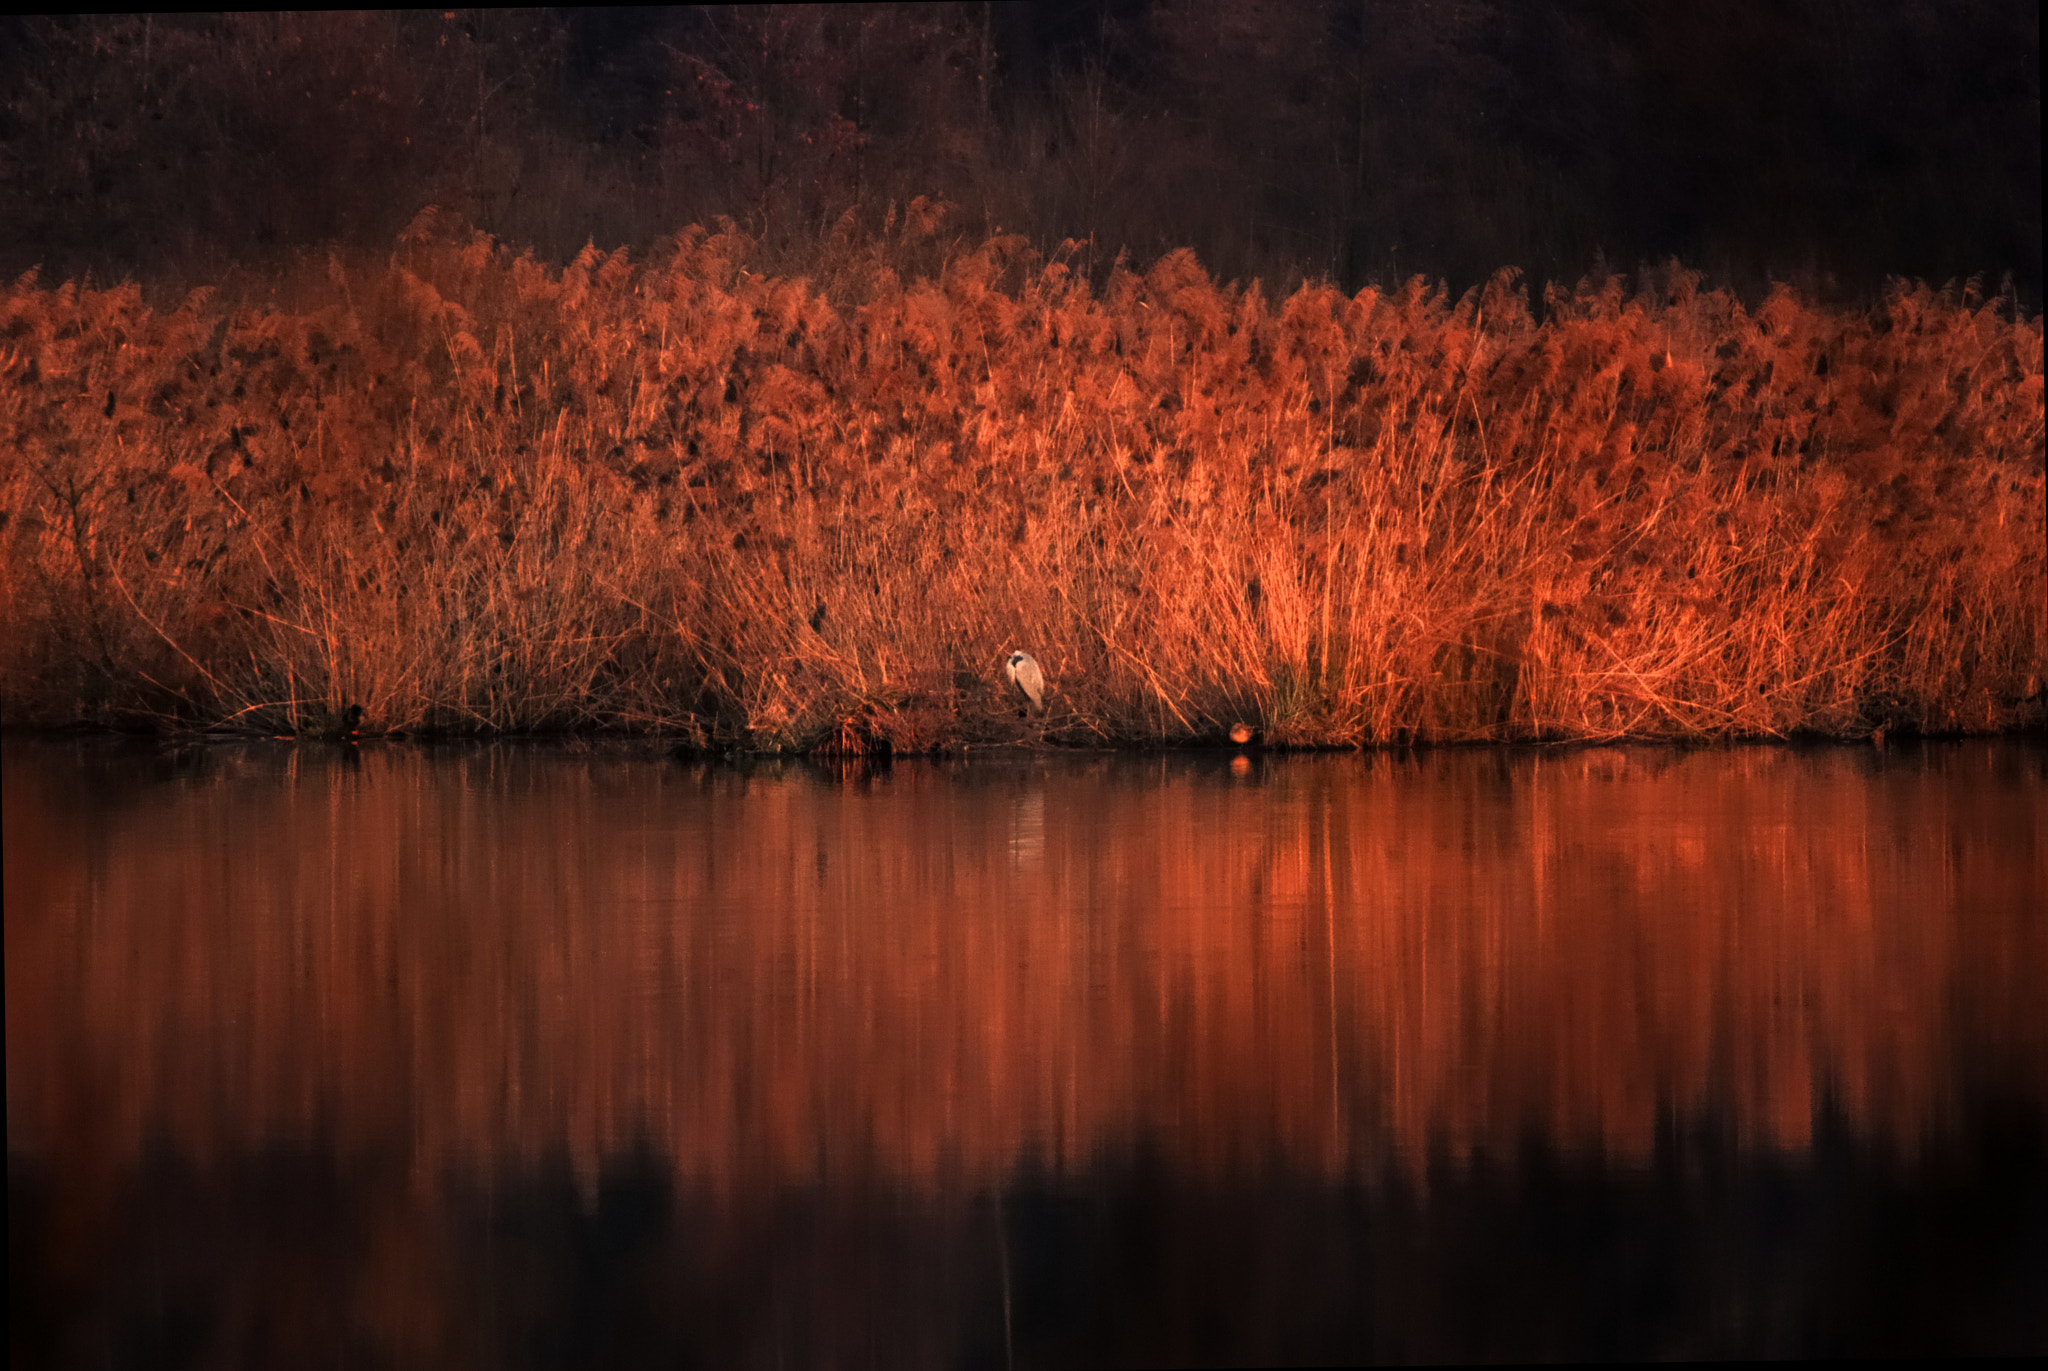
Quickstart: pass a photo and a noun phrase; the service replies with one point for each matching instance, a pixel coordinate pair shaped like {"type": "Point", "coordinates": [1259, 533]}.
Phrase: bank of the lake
{"type": "Point", "coordinates": [473, 494]}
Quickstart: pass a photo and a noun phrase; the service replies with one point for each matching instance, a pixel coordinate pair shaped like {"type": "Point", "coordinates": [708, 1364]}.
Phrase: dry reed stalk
{"type": "Point", "coordinates": [473, 493]}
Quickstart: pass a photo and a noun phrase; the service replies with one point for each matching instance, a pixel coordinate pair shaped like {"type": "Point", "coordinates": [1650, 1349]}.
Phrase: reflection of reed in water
{"type": "Point", "coordinates": [1349, 963]}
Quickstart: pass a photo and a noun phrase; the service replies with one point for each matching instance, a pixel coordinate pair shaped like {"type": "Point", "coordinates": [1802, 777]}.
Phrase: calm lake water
{"type": "Point", "coordinates": [582, 1056]}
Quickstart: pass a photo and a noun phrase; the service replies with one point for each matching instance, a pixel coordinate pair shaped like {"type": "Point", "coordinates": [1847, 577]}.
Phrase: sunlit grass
{"type": "Point", "coordinates": [473, 493]}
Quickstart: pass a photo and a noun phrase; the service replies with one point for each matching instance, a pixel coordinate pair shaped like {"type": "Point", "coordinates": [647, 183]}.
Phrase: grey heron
{"type": "Point", "coordinates": [1024, 673]}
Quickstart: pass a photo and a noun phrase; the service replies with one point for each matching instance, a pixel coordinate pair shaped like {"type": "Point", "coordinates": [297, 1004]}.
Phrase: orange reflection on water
{"type": "Point", "coordinates": [1339, 963]}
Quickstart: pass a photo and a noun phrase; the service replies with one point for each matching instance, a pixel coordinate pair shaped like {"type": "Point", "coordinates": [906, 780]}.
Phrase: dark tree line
{"type": "Point", "coordinates": [1363, 140]}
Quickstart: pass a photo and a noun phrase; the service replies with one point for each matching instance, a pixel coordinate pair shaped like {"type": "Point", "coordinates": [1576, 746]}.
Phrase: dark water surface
{"type": "Point", "coordinates": [576, 1056]}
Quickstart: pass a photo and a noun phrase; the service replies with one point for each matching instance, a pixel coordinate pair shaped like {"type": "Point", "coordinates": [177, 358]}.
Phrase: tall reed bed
{"type": "Point", "coordinates": [473, 493]}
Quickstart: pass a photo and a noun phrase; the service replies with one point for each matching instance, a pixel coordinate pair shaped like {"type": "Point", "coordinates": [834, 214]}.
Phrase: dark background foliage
{"type": "Point", "coordinates": [1359, 140]}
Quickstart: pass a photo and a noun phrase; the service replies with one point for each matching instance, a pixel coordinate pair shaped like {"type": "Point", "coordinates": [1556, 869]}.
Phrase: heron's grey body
{"type": "Point", "coordinates": [1028, 678]}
